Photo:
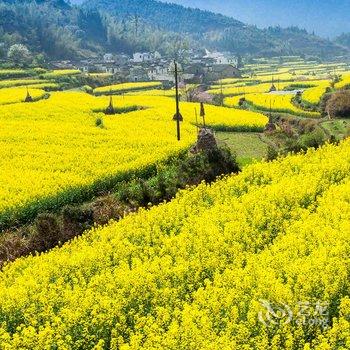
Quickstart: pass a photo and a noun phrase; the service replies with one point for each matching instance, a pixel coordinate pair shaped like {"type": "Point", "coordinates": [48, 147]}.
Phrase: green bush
{"type": "Point", "coordinates": [314, 139]}
{"type": "Point", "coordinates": [177, 174]}
{"type": "Point", "coordinates": [99, 123]}
{"type": "Point", "coordinates": [88, 89]}
{"type": "Point", "coordinates": [271, 153]}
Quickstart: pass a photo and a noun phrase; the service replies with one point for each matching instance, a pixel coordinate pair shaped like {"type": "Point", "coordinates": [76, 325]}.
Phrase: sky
{"type": "Point", "coordinates": [327, 18]}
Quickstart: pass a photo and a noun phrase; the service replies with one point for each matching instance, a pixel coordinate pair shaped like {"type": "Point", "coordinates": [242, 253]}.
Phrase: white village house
{"type": "Point", "coordinates": [139, 57]}
{"type": "Point", "coordinates": [221, 58]}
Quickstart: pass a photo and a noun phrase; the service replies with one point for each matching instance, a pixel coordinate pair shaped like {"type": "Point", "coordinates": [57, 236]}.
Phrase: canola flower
{"type": "Point", "coordinates": [125, 87]}
{"type": "Point", "coordinates": [60, 73]}
{"type": "Point", "coordinates": [154, 92]}
{"type": "Point", "coordinates": [14, 73]}
{"type": "Point", "coordinates": [276, 102]}
{"type": "Point", "coordinates": [47, 86]}
{"type": "Point", "coordinates": [18, 94]}
{"type": "Point", "coordinates": [52, 153]}
{"type": "Point", "coordinates": [344, 82]}
{"type": "Point", "coordinates": [314, 94]}
{"type": "Point", "coordinates": [190, 274]}
{"type": "Point", "coordinates": [286, 72]}
{"type": "Point", "coordinates": [248, 89]}
{"type": "Point", "coordinates": [307, 83]}
{"type": "Point", "coordinates": [21, 82]}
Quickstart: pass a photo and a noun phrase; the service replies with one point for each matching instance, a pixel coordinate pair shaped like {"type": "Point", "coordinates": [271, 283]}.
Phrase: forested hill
{"type": "Point", "coordinates": [217, 31]}
{"type": "Point", "coordinates": [61, 30]}
{"type": "Point", "coordinates": [55, 3]}
{"type": "Point", "coordinates": [326, 18]}
{"type": "Point", "coordinates": [168, 16]}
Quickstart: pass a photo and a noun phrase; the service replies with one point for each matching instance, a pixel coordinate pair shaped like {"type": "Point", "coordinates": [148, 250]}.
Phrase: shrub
{"type": "Point", "coordinates": [221, 161]}
{"type": "Point", "coordinates": [241, 101]}
{"type": "Point", "coordinates": [307, 126]}
{"type": "Point", "coordinates": [323, 104]}
{"type": "Point", "coordinates": [190, 170]}
{"type": "Point", "coordinates": [314, 139]}
{"type": "Point", "coordinates": [218, 99]}
{"type": "Point", "coordinates": [88, 89]}
{"type": "Point", "coordinates": [47, 232]}
{"type": "Point", "coordinates": [272, 153]}
{"type": "Point", "coordinates": [99, 123]}
{"type": "Point", "coordinates": [338, 104]}
{"type": "Point", "coordinates": [76, 220]}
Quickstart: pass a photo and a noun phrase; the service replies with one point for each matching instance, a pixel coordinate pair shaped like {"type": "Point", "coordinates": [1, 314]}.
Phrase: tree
{"type": "Point", "coordinates": [19, 55]}
{"type": "Point", "coordinates": [39, 60]}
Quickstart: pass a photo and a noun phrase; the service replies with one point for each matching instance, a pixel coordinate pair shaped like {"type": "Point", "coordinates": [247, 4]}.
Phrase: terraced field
{"type": "Point", "coordinates": [52, 152]}
{"type": "Point", "coordinates": [194, 273]}
{"type": "Point", "coordinates": [254, 260]}
{"type": "Point", "coordinates": [261, 83]}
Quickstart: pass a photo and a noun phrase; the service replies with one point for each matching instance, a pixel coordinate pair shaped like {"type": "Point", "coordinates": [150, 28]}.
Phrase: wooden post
{"type": "Point", "coordinates": [177, 115]}
{"type": "Point", "coordinates": [202, 114]}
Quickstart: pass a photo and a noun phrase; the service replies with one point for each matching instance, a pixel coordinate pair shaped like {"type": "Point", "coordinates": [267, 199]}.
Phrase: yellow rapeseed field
{"type": "Point", "coordinates": [275, 102]}
{"type": "Point", "coordinates": [52, 152]}
{"type": "Point", "coordinates": [248, 89]}
{"type": "Point", "coordinates": [124, 87]}
{"type": "Point", "coordinates": [18, 94]}
{"type": "Point", "coordinates": [345, 81]}
{"type": "Point", "coordinates": [21, 82]}
{"type": "Point", "coordinates": [60, 73]}
{"type": "Point", "coordinates": [154, 92]}
{"type": "Point", "coordinates": [196, 273]}
{"type": "Point", "coordinates": [48, 86]}
{"type": "Point", "coordinates": [314, 94]}
{"type": "Point", "coordinates": [13, 73]}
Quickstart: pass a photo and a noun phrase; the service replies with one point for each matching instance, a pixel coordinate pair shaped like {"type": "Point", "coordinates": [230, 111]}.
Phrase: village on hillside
{"type": "Point", "coordinates": [198, 67]}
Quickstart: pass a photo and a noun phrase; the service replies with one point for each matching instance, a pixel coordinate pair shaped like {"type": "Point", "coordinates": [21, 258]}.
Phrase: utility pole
{"type": "Point", "coordinates": [177, 116]}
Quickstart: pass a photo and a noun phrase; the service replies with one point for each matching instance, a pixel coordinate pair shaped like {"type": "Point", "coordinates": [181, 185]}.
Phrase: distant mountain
{"type": "Point", "coordinates": [168, 16]}
{"type": "Point", "coordinates": [326, 18]}
{"type": "Point", "coordinates": [55, 3]}
{"type": "Point", "coordinates": [76, 2]}
{"type": "Point", "coordinates": [217, 31]}
{"type": "Point", "coordinates": [344, 40]}
{"type": "Point", "coordinates": [59, 30]}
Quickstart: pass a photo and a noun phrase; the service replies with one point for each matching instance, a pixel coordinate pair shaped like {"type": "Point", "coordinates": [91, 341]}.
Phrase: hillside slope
{"type": "Point", "coordinates": [326, 18]}
{"type": "Point", "coordinates": [63, 31]}
{"type": "Point", "coordinates": [196, 273]}
{"type": "Point", "coordinates": [217, 31]}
